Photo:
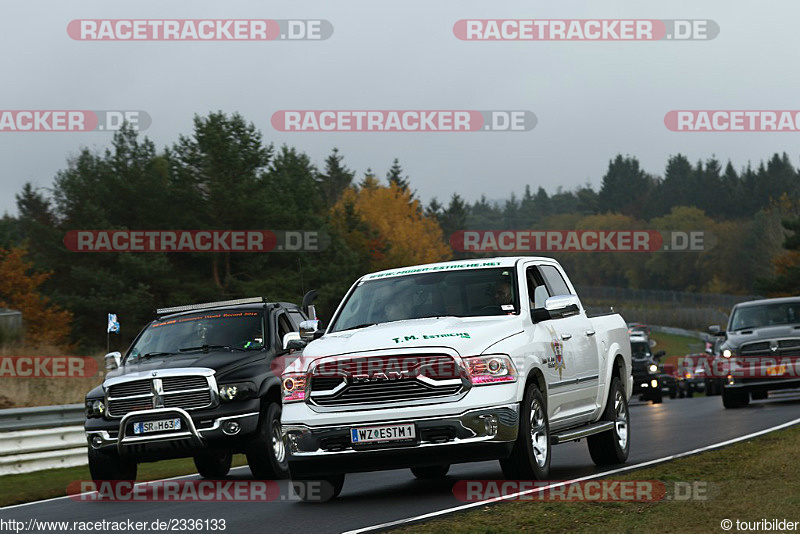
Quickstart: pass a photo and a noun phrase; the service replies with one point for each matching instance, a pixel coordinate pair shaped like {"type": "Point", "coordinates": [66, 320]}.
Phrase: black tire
{"type": "Point", "coordinates": [110, 466]}
{"type": "Point", "coordinates": [657, 396]}
{"type": "Point", "coordinates": [430, 471]}
{"type": "Point", "coordinates": [613, 446]}
{"type": "Point", "coordinates": [528, 461]}
{"type": "Point", "coordinates": [318, 489]}
{"type": "Point", "coordinates": [673, 392]}
{"type": "Point", "coordinates": [689, 391]}
{"type": "Point", "coordinates": [213, 464]}
{"type": "Point", "coordinates": [732, 399]}
{"type": "Point", "coordinates": [266, 453]}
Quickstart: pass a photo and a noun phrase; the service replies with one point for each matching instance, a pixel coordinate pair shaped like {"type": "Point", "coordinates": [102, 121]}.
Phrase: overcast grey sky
{"type": "Point", "coordinates": [592, 99]}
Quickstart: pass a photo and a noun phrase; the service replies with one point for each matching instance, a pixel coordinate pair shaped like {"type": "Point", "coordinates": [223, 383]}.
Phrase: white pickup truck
{"type": "Point", "coordinates": [426, 366]}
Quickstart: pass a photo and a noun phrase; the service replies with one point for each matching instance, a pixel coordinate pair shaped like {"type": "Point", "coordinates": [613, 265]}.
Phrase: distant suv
{"type": "Point", "coordinates": [648, 380]}
{"type": "Point", "coordinates": [761, 351]}
{"type": "Point", "coordinates": [195, 382]}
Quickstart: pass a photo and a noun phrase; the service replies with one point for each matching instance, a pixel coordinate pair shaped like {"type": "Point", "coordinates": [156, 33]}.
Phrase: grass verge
{"type": "Point", "coordinates": [749, 481]}
{"type": "Point", "coordinates": [675, 345]}
{"type": "Point", "coordinates": [27, 487]}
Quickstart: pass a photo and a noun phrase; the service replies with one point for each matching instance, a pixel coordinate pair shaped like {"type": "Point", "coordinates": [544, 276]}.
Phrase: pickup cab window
{"type": "Point", "coordinates": [555, 282]}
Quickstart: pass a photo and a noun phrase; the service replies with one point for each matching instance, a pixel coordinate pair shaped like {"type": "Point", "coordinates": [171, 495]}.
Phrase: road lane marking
{"type": "Point", "coordinates": [11, 506]}
{"type": "Point", "coordinates": [438, 513]}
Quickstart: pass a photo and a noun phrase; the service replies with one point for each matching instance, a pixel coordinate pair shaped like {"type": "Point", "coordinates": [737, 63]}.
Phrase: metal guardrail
{"type": "Point", "coordinates": [41, 417]}
{"type": "Point", "coordinates": [46, 437]}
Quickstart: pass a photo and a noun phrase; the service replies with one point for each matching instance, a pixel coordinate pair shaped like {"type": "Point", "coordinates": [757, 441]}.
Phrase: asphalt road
{"type": "Point", "coordinates": [673, 427]}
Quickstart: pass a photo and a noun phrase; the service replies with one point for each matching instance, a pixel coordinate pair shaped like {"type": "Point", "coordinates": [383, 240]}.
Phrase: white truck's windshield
{"type": "Point", "coordinates": [467, 293]}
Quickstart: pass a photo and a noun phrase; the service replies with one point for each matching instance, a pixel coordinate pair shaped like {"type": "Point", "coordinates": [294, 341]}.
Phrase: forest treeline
{"type": "Point", "coordinates": [223, 175]}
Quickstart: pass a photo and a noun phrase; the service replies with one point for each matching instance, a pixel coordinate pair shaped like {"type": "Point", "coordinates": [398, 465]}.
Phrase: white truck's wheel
{"type": "Point", "coordinates": [612, 447]}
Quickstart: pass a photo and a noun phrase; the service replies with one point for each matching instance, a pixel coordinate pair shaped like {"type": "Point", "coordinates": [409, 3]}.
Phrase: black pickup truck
{"type": "Point", "coordinates": [760, 351]}
{"type": "Point", "coordinates": [197, 381]}
{"type": "Point", "coordinates": [649, 380]}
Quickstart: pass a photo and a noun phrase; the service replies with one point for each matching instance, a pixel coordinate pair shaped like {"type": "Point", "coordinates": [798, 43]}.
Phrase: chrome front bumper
{"type": "Point", "coordinates": [498, 424]}
{"type": "Point", "coordinates": [190, 434]}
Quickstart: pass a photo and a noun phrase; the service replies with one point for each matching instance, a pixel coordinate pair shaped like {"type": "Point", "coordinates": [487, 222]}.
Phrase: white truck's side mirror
{"type": "Point", "coordinates": [562, 305]}
{"type": "Point", "coordinates": [308, 329]}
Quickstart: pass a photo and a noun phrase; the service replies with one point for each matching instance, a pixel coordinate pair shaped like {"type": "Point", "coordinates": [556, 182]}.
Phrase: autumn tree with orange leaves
{"type": "Point", "coordinates": [44, 322]}
{"type": "Point", "coordinates": [388, 225]}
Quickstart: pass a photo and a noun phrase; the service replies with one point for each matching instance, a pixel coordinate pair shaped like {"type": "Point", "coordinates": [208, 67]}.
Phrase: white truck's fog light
{"type": "Point", "coordinates": [292, 441]}
{"type": "Point", "coordinates": [490, 425]}
{"type": "Point", "coordinates": [231, 427]}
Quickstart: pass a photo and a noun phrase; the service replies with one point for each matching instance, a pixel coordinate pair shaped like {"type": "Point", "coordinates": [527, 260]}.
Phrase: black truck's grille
{"type": "Point", "coordinates": [640, 370]}
{"type": "Point", "coordinates": [128, 389]}
{"type": "Point", "coordinates": [771, 349]}
{"type": "Point", "coordinates": [180, 383]}
{"type": "Point", "coordinates": [188, 392]}
{"type": "Point", "coordinates": [377, 380]}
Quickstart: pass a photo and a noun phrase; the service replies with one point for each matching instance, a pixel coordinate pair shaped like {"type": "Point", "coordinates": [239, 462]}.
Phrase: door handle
{"type": "Point", "coordinates": [590, 332]}
{"type": "Point", "coordinates": [566, 336]}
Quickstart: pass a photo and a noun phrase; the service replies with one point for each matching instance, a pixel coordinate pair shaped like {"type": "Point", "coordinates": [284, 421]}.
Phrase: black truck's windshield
{"type": "Point", "coordinates": [757, 316]}
{"type": "Point", "coordinates": [640, 350]}
{"type": "Point", "coordinates": [467, 293]}
{"type": "Point", "coordinates": [234, 330]}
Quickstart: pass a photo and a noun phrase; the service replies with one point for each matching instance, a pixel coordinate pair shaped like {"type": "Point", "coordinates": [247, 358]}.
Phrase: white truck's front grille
{"type": "Point", "coordinates": [385, 379]}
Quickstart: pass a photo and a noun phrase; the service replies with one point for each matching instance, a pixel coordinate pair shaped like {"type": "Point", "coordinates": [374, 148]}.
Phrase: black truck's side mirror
{"type": "Point", "coordinates": [307, 305]}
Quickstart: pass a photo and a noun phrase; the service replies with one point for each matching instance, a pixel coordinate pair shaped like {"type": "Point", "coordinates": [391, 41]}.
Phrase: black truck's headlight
{"type": "Point", "coordinates": [653, 368]}
{"type": "Point", "coordinates": [95, 408]}
{"type": "Point", "coordinates": [237, 391]}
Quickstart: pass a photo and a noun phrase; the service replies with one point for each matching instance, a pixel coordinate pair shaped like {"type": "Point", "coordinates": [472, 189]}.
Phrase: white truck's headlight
{"type": "Point", "coordinates": [293, 386]}
{"type": "Point", "coordinates": [727, 353]}
{"type": "Point", "coordinates": [490, 369]}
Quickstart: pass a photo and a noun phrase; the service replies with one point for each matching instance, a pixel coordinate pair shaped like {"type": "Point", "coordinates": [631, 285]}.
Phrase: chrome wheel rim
{"type": "Point", "coordinates": [277, 443]}
{"type": "Point", "coordinates": [621, 420]}
{"type": "Point", "coordinates": [539, 436]}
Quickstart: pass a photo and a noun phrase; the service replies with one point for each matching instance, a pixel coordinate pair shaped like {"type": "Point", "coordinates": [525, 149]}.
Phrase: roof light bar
{"type": "Point", "coordinates": [235, 302]}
